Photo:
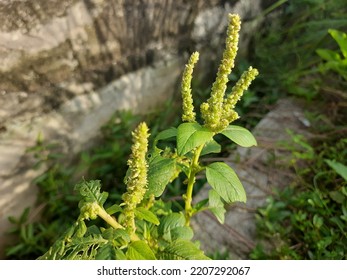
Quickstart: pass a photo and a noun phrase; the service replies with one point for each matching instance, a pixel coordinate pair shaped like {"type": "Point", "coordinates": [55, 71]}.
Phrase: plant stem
{"type": "Point", "coordinates": [113, 223]}
{"type": "Point", "coordinates": [108, 219]}
{"type": "Point", "coordinates": [194, 168]}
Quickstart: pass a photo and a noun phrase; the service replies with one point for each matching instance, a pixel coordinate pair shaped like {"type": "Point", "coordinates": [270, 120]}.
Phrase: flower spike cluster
{"type": "Point", "coordinates": [137, 178]}
{"type": "Point", "coordinates": [186, 91]}
{"type": "Point", "coordinates": [229, 115]}
{"type": "Point", "coordinates": [218, 111]}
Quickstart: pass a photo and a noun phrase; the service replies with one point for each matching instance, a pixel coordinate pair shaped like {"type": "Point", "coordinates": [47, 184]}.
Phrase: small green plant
{"type": "Point", "coordinates": [335, 61]}
{"type": "Point", "coordinates": [293, 38]}
{"type": "Point", "coordinates": [308, 220]}
{"type": "Point", "coordinates": [142, 225]}
{"type": "Point", "coordinates": [56, 201]}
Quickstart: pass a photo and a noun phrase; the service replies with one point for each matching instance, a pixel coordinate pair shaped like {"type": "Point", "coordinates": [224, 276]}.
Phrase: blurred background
{"type": "Point", "coordinates": [77, 76]}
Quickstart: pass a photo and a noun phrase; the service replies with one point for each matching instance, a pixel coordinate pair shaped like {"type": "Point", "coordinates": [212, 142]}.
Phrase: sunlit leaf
{"type": "Point", "coordinates": [145, 214]}
{"type": "Point", "coordinates": [139, 250]}
{"type": "Point", "coordinates": [225, 182]}
{"type": "Point", "coordinates": [339, 168]}
{"type": "Point", "coordinates": [240, 136]}
{"type": "Point", "coordinates": [190, 136]}
{"type": "Point", "coordinates": [183, 250]}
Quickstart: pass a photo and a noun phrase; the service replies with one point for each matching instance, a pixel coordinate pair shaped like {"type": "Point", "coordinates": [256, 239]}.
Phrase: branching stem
{"type": "Point", "coordinates": [113, 223]}
{"type": "Point", "coordinates": [194, 168]}
{"type": "Point", "coordinates": [108, 218]}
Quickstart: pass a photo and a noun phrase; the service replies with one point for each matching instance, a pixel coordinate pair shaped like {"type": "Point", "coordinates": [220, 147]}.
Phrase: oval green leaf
{"type": "Point", "coordinates": [139, 250]}
{"type": "Point", "coordinates": [341, 39]}
{"type": "Point", "coordinates": [190, 136]}
{"type": "Point", "coordinates": [210, 148]}
{"type": "Point", "coordinates": [171, 221]}
{"type": "Point", "coordinates": [240, 136]}
{"type": "Point", "coordinates": [182, 233]}
{"type": "Point", "coordinates": [144, 214]}
{"type": "Point", "coordinates": [182, 249]}
{"type": "Point", "coordinates": [106, 252]}
{"type": "Point", "coordinates": [216, 205]}
{"type": "Point", "coordinates": [339, 168]}
{"type": "Point", "coordinates": [225, 182]}
{"type": "Point", "coordinates": [166, 134]}
{"type": "Point", "coordinates": [160, 174]}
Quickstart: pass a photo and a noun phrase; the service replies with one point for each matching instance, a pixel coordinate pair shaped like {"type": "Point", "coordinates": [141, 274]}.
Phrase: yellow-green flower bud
{"type": "Point", "coordinates": [90, 211]}
{"type": "Point", "coordinates": [242, 84]}
{"type": "Point", "coordinates": [186, 91]}
{"type": "Point", "coordinates": [212, 113]}
{"type": "Point", "coordinates": [137, 176]}
{"type": "Point", "coordinates": [236, 93]}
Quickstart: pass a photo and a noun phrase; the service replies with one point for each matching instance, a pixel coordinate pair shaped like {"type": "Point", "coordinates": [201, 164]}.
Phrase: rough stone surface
{"type": "Point", "coordinates": [67, 66]}
{"type": "Point", "coordinates": [261, 169]}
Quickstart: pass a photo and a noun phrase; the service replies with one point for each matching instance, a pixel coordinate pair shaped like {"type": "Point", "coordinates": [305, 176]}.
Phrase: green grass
{"type": "Point", "coordinates": [307, 220]}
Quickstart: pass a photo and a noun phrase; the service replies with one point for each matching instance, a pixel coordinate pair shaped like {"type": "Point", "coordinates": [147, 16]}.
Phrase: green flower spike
{"type": "Point", "coordinates": [229, 115]}
{"type": "Point", "coordinates": [137, 176]}
{"type": "Point", "coordinates": [188, 108]}
{"type": "Point", "coordinates": [212, 110]}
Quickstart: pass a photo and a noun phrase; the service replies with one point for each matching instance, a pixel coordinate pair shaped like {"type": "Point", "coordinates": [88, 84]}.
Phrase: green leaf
{"type": "Point", "coordinates": [83, 248]}
{"type": "Point", "coordinates": [216, 205]}
{"type": "Point", "coordinates": [160, 173]}
{"type": "Point", "coordinates": [144, 214]}
{"type": "Point", "coordinates": [166, 134]}
{"type": "Point", "coordinates": [15, 249]}
{"type": "Point", "coordinates": [317, 221]}
{"type": "Point", "coordinates": [337, 196]}
{"type": "Point", "coordinates": [119, 236]}
{"type": "Point", "coordinates": [240, 136]}
{"type": "Point", "coordinates": [93, 229]}
{"type": "Point", "coordinates": [106, 252]}
{"type": "Point", "coordinates": [328, 55]}
{"type": "Point", "coordinates": [190, 136]}
{"type": "Point", "coordinates": [120, 255]}
{"type": "Point", "coordinates": [81, 228]}
{"type": "Point", "coordinates": [183, 250]}
{"type": "Point", "coordinates": [225, 182]}
{"type": "Point", "coordinates": [339, 168]}
{"type": "Point", "coordinates": [113, 209]}
{"type": "Point", "coordinates": [24, 216]}
{"type": "Point", "coordinates": [199, 206]}
{"type": "Point", "coordinates": [211, 147]}
{"type": "Point", "coordinates": [162, 208]}
{"type": "Point", "coordinates": [139, 250]}
{"type": "Point", "coordinates": [170, 222]}
{"type": "Point", "coordinates": [90, 191]}
{"type": "Point", "coordinates": [182, 233]}
{"type": "Point", "coordinates": [341, 39]}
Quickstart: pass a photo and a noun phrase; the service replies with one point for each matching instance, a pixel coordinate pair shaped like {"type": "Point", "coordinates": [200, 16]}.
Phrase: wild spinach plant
{"type": "Point", "coordinates": [143, 226]}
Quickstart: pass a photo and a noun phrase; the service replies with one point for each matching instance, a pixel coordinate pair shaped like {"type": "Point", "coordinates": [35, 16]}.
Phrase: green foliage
{"type": "Point", "coordinates": [191, 136]}
{"type": "Point", "coordinates": [292, 39]}
{"type": "Point", "coordinates": [334, 60]}
{"type": "Point", "coordinates": [225, 182]}
{"type": "Point", "coordinates": [142, 226]}
{"type": "Point", "coordinates": [139, 250]}
{"type": "Point", "coordinates": [57, 198]}
{"type": "Point", "coordinates": [309, 219]}
{"type": "Point", "coordinates": [339, 168]}
{"type": "Point", "coordinates": [240, 136]}
{"type": "Point", "coordinates": [306, 220]}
